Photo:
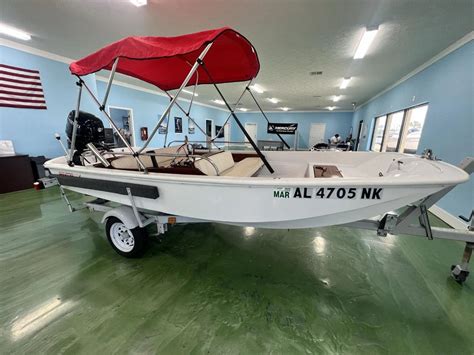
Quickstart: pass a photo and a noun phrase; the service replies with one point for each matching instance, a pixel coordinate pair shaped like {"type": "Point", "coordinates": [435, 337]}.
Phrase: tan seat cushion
{"type": "Point", "coordinates": [245, 168]}
{"type": "Point", "coordinates": [129, 162]}
{"type": "Point", "coordinates": [161, 160]}
{"type": "Point", "coordinates": [221, 161]}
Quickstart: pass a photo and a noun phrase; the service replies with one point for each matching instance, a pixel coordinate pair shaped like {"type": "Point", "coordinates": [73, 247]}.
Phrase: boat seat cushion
{"type": "Point", "coordinates": [130, 163]}
{"type": "Point", "coordinates": [245, 168]}
{"type": "Point", "coordinates": [222, 161]}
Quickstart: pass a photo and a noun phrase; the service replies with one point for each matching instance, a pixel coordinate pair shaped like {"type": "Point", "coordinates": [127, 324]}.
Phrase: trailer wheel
{"type": "Point", "coordinates": [130, 243]}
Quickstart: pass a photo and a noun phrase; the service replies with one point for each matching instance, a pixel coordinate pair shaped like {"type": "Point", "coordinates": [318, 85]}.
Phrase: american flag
{"type": "Point", "coordinates": [21, 88]}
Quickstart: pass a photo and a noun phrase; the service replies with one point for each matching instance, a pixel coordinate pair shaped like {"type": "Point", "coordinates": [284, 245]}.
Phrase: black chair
{"type": "Point", "coordinates": [342, 146]}
{"type": "Point", "coordinates": [321, 146]}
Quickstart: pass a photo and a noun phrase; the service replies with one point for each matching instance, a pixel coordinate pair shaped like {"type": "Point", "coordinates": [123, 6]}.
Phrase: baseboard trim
{"type": "Point", "coordinates": [448, 218]}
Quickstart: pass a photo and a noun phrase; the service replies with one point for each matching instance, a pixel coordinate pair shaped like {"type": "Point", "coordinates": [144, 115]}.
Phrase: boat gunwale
{"type": "Point", "coordinates": [261, 181]}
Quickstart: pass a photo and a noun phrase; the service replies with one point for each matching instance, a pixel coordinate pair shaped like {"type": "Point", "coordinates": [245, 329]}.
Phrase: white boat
{"type": "Point", "coordinates": [307, 189]}
{"type": "Point", "coordinates": [274, 189]}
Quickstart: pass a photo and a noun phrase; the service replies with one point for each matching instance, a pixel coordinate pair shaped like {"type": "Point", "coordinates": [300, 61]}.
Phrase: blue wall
{"type": "Point", "coordinates": [447, 86]}
{"type": "Point", "coordinates": [32, 131]}
{"type": "Point", "coordinates": [336, 122]}
{"type": "Point", "coordinates": [147, 108]}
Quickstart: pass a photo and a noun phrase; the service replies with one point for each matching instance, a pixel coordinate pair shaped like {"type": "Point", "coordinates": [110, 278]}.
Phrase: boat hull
{"type": "Point", "coordinates": [258, 207]}
{"type": "Point", "coordinates": [273, 201]}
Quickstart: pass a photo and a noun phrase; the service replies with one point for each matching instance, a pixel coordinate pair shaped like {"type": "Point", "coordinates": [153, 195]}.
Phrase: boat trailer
{"type": "Point", "coordinates": [413, 220]}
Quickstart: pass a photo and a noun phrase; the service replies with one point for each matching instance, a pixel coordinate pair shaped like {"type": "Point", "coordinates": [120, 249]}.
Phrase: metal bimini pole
{"type": "Point", "coordinates": [188, 112]}
{"type": "Point", "coordinates": [187, 115]}
{"type": "Point", "coordinates": [264, 115]}
{"type": "Point", "coordinates": [167, 128]}
{"type": "Point", "coordinates": [252, 143]}
{"type": "Point", "coordinates": [183, 85]}
{"type": "Point", "coordinates": [114, 126]}
{"type": "Point", "coordinates": [230, 114]}
{"type": "Point", "coordinates": [74, 128]}
{"type": "Point", "coordinates": [109, 84]}
{"type": "Point", "coordinates": [194, 93]}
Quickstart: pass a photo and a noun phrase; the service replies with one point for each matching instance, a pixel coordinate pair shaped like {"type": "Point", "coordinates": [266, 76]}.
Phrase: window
{"type": "Point", "coordinates": [399, 131]}
{"type": "Point", "coordinates": [415, 120]}
{"type": "Point", "coordinates": [392, 132]}
{"type": "Point", "coordinates": [377, 136]}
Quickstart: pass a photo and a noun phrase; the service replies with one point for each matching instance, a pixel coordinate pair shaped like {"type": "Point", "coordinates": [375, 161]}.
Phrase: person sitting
{"type": "Point", "coordinates": [335, 139]}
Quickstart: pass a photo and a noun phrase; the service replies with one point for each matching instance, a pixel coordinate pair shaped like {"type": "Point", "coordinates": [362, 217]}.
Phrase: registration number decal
{"type": "Point", "coordinates": [349, 193]}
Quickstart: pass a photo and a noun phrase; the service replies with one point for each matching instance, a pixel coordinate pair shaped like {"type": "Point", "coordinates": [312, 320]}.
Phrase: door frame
{"type": "Point", "coordinates": [131, 120]}
{"type": "Point", "coordinates": [359, 135]}
{"type": "Point", "coordinates": [227, 139]}
{"type": "Point", "coordinates": [256, 132]}
{"type": "Point", "coordinates": [213, 132]}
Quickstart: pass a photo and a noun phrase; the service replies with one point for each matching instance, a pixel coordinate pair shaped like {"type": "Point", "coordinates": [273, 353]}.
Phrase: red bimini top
{"type": "Point", "coordinates": [165, 61]}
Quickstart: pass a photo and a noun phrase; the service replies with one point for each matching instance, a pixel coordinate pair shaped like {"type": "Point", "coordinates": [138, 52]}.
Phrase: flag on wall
{"type": "Point", "coordinates": [21, 88]}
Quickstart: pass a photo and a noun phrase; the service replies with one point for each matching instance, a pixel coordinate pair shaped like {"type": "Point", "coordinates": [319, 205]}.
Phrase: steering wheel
{"type": "Point", "coordinates": [187, 149]}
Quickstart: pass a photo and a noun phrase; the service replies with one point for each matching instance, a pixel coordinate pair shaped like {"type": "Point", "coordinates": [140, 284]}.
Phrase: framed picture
{"type": "Point", "coordinates": [178, 125]}
{"type": "Point", "coordinates": [218, 130]}
{"type": "Point", "coordinates": [191, 127]}
{"type": "Point", "coordinates": [163, 128]}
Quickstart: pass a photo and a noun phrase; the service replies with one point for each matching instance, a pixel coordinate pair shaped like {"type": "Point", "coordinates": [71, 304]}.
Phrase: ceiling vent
{"type": "Point", "coordinates": [315, 73]}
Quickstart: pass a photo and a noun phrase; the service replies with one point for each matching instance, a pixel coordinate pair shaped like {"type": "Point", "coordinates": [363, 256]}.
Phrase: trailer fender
{"type": "Point", "coordinates": [125, 214]}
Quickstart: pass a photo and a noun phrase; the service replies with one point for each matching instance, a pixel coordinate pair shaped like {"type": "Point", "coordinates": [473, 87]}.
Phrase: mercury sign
{"type": "Point", "coordinates": [282, 128]}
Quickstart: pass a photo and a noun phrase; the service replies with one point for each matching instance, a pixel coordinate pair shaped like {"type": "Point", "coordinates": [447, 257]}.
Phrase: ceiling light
{"type": "Point", "coordinates": [284, 108]}
{"type": "Point", "coordinates": [257, 88]}
{"type": "Point", "coordinates": [344, 83]}
{"type": "Point", "coordinates": [331, 108]}
{"type": "Point", "coordinates": [365, 42]}
{"type": "Point", "coordinates": [219, 102]}
{"type": "Point", "coordinates": [336, 98]}
{"type": "Point", "coordinates": [190, 92]}
{"type": "Point", "coordinates": [273, 100]}
{"type": "Point", "coordinates": [14, 32]}
{"type": "Point", "coordinates": [243, 109]}
{"type": "Point", "coordinates": [138, 3]}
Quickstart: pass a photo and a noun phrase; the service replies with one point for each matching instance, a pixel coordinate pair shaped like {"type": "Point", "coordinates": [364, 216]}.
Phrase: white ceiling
{"type": "Point", "coordinates": [292, 38]}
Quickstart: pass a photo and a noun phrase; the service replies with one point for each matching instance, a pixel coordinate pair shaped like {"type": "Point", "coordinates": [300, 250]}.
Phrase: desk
{"type": "Point", "coordinates": [15, 173]}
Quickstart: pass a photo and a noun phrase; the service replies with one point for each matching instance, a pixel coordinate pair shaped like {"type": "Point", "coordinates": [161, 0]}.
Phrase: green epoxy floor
{"type": "Point", "coordinates": [216, 289]}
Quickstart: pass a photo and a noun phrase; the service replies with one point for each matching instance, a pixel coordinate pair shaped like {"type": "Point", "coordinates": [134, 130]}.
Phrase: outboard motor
{"type": "Point", "coordinates": [90, 129]}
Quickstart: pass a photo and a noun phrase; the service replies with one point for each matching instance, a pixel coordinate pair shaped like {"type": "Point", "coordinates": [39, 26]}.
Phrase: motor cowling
{"type": "Point", "coordinates": [90, 129]}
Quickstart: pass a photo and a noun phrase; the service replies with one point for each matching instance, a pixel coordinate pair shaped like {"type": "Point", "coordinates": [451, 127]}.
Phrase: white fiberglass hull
{"type": "Point", "coordinates": [281, 200]}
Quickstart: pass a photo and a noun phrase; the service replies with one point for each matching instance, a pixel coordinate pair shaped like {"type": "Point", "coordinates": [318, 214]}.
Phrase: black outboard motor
{"type": "Point", "coordinates": [90, 129]}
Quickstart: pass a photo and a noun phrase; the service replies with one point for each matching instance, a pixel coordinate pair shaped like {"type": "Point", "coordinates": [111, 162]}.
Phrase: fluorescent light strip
{"type": "Point", "coordinates": [336, 98]}
{"type": "Point", "coordinates": [190, 92]}
{"type": "Point", "coordinates": [273, 100]}
{"type": "Point", "coordinates": [219, 102]}
{"type": "Point", "coordinates": [139, 3]}
{"type": "Point", "coordinates": [257, 88]}
{"type": "Point", "coordinates": [284, 108]}
{"type": "Point", "coordinates": [14, 32]}
{"type": "Point", "coordinates": [331, 108]}
{"type": "Point", "coordinates": [243, 109]}
{"type": "Point", "coordinates": [365, 42]}
{"type": "Point", "coordinates": [344, 83]}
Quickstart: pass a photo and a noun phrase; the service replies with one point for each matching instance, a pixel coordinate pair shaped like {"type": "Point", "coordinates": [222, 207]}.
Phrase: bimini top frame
{"type": "Point", "coordinates": [164, 62]}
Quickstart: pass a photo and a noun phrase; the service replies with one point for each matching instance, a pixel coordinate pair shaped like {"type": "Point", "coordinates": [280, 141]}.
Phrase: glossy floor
{"type": "Point", "coordinates": [217, 289]}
